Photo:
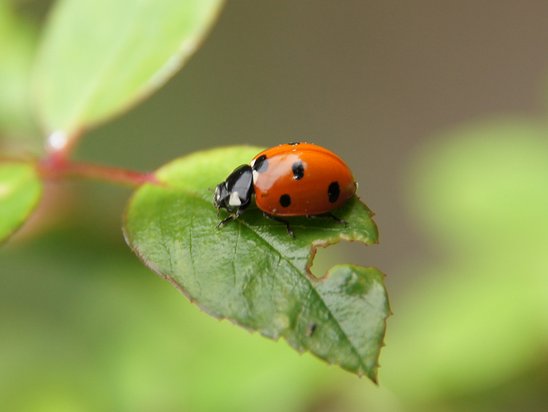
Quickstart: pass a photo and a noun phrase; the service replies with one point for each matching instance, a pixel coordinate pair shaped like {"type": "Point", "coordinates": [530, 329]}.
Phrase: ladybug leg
{"type": "Point", "coordinates": [337, 219]}
{"type": "Point", "coordinates": [230, 217]}
{"type": "Point", "coordinates": [329, 215]}
{"type": "Point", "coordinates": [225, 221]}
{"type": "Point", "coordinates": [280, 220]}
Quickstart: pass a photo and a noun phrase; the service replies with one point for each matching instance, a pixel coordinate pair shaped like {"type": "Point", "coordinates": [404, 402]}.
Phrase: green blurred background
{"type": "Point", "coordinates": [440, 110]}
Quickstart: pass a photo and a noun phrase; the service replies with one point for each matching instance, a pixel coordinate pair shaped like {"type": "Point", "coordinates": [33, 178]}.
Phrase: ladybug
{"type": "Point", "coordinates": [293, 179]}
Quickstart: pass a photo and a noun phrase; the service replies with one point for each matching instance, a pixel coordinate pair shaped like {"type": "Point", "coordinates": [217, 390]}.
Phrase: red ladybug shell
{"type": "Point", "coordinates": [300, 179]}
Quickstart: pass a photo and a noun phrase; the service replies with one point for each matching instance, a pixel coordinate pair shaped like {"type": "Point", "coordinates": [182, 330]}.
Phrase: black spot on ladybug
{"type": "Point", "coordinates": [333, 191]}
{"type": "Point", "coordinates": [294, 143]}
{"type": "Point", "coordinates": [298, 170]}
{"type": "Point", "coordinates": [261, 164]}
{"type": "Point", "coordinates": [285, 200]}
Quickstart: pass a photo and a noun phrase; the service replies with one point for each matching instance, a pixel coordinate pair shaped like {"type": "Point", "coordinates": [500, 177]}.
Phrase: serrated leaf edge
{"type": "Point", "coordinates": [372, 374]}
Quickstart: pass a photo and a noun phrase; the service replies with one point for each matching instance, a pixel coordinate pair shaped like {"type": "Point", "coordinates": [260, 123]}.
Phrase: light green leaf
{"type": "Point", "coordinates": [252, 272]}
{"type": "Point", "coordinates": [488, 191]}
{"type": "Point", "coordinates": [477, 319]}
{"type": "Point", "coordinates": [20, 190]}
{"type": "Point", "coordinates": [17, 45]}
{"type": "Point", "coordinates": [100, 56]}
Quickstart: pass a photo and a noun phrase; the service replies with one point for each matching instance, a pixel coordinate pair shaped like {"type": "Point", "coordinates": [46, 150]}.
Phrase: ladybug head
{"type": "Point", "coordinates": [234, 194]}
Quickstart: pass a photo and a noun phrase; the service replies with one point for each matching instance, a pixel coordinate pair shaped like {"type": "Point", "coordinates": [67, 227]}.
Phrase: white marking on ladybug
{"type": "Point", "coordinates": [234, 199]}
{"type": "Point", "coordinates": [255, 176]}
{"type": "Point", "coordinates": [252, 163]}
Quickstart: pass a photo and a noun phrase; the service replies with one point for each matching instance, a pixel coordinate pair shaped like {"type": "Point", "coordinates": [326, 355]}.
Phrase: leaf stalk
{"type": "Point", "coordinates": [55, 167]}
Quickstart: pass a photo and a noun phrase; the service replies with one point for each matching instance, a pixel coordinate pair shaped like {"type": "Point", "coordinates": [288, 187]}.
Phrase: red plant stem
{"type": "Point", "coordinates": [54, 168]}
{"type": "Point", "coordinates": [57, 165]}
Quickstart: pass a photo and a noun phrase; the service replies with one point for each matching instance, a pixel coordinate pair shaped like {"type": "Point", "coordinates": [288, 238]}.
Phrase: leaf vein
{"type": "Point", "coordinates": [242, 223]}
{"type": "Point", "coordinates": [313, 289]}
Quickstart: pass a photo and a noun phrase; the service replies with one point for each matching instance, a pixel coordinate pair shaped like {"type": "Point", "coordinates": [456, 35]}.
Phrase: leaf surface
{"type": "Point", "coordinates": [17, 47]}
{"type": "Point", "coordinates": [20, 190]}
{"type": "Point", "coordinates": [100, 56]}
{"type": "Point", "coordinates": [478, 191]}
{"type": "Point", "coordinates": [252, 272]}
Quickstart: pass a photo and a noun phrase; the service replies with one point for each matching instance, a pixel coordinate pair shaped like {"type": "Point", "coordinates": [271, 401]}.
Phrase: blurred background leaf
{"type": "Point", "coordinates": [480, 189]}
{"type": "Point", "coordinates": [478, 318]}
{"type": "Point", "coordinates": [20, 190]}
{"type": "Point", "coordinates": [97, 57]}
{"type": "Point", "coordinates": [18, 37]}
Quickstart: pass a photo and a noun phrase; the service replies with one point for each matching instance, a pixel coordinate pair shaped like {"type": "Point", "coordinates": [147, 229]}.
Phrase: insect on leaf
{"type": "Point", "coordinates": [251, 272]}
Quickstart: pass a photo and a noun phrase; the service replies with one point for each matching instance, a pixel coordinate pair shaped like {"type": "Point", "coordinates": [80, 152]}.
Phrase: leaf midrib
{"type": "Point", "coordinates": [335, 320]}
{"type": "Point", "coordinates": [242, 223]}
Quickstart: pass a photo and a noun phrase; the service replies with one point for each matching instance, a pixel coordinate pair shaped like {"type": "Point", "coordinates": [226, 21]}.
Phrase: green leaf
{"type": "Point", "coordinates": [20, 190]}
{"type": "Point", "coordinates": [490, 176]}
{"type": "Point", "coordinates": [478, 317]}
{"type": "Point", "coordinates": [100, 56]}
{"type": "Point", "coordinates": [17, 46]}
{"type": "Point", "coordinates": [252, 272]}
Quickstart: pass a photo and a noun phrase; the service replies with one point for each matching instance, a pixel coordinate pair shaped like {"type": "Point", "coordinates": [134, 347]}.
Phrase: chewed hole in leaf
{"type": "Point", "coordinates": [252, 272]}
{"type": "Point", "coordinates": [325, 256]}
